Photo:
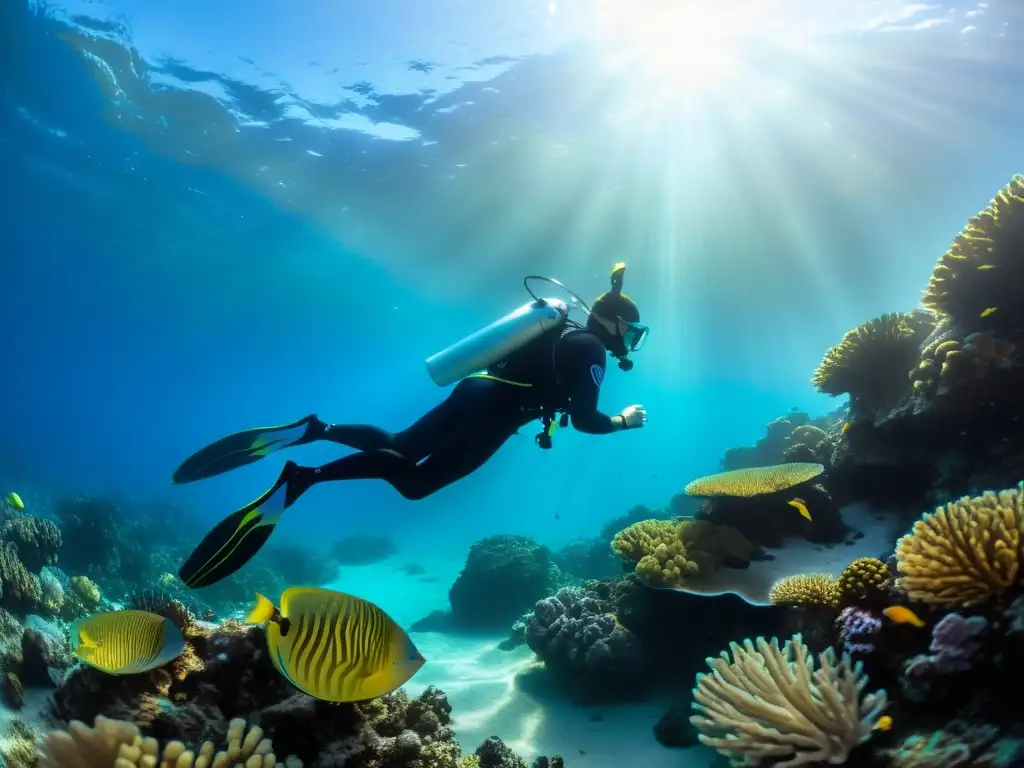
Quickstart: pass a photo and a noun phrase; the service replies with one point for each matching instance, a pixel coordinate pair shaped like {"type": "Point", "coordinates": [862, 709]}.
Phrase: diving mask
{"type": "Point", "coordinates": [635, 335]}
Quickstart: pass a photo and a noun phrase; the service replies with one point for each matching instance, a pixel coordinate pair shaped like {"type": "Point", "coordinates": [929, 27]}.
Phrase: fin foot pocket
{"type": "Point", "coordinates": [242, 448]}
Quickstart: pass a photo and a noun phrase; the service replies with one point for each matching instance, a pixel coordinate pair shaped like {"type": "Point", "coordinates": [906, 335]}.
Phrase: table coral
{"type": "Point", "coordinates": [754, 481]}
{"type": "Point", "coordinates": [965, 552]}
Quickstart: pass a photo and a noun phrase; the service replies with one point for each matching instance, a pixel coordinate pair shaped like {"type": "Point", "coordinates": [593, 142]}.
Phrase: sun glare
{"type": "Point", "coordinates": [687, 45]}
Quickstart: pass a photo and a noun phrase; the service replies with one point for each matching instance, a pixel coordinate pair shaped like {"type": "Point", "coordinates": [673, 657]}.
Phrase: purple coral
{"type": "Point", "coordinates": [955, 643]}
{"type": "Point", "coordinates": [857, 630]}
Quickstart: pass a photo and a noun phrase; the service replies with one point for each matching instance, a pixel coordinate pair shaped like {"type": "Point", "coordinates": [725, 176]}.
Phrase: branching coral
{"type": "Point", "coordinates": [119, 744]}
{"type": "Point", "coordinates": [984, 267]}
{"type": "Point", "coordinates": [806, 589]}
{"type": "Point", "coordinates": [965, 552]}
{"type": "Point", "coordinates": [871, 361]}
{"type": "Point", "coordinates": [754, 481]}
{"type": "Point", "coordinates": [770, 703]}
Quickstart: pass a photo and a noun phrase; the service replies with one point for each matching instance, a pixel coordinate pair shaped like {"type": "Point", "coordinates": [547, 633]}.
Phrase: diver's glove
{"type": "Point", "coordinates": [633, 417]}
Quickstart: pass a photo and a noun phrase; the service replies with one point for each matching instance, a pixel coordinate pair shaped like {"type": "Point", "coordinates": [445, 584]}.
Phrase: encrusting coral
{"type": "Point", "coordinates": [871, 361]}
{"type": "Point", "coordinates": [806, 589]}
{"type": "Point", "coordinates": [754, 481]}
{"type": "Point", "coordinates": [767, 703]}
{"type": "Point", "coordinates": [966, 551]}
{"type": "Point", "coordinates": [978, 279]}
{"type": "Point", "coordinates": [119, 744]}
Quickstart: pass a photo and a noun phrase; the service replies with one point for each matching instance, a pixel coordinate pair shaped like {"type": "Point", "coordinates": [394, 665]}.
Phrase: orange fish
{"type": "Point", "coordinates": [898, 614]}
{"type": "Point", "coordinates": [801, 507]}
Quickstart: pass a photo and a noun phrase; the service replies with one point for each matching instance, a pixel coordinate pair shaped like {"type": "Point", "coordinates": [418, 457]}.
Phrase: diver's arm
{"type": "Point", "coordinates": [584, 368]}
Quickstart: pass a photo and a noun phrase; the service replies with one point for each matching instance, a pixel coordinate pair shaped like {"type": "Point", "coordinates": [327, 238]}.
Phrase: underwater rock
{"type": "Point", "coordinates": [578, 637]}
{"type": "Point", "coordinates": [503, 576]}
{"type": "Point", "coordinates": [674, 729]}
{"type": "Point", "coordinates": [362, 550]}
{"type": "Point", "coordinates": [588, 559]}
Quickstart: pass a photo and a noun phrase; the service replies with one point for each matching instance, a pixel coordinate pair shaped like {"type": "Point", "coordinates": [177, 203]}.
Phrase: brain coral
{"type": "Point", "coordinates": [871, 362]}
{"type": "Point", "coordinates": [754, 481]}
{"type": "Point", "coordinates": [984, 267]}
{"type": "Point", "coordinates": [965, 552]}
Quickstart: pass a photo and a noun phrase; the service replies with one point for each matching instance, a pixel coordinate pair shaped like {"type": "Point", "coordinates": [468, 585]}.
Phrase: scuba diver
{"type": "Point", "coordinates": [534, 363]}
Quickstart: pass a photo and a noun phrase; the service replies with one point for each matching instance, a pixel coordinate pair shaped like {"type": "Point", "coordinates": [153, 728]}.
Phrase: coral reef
{"type": "Point", "coordinates": [954, 648]}
{"type": "Point", "coordinates": [768, 702]}
{"type": "Point", "coordinates": [965, 552]}
{"type": "Point", "coordinates": [502, 578]}
{"type": "Point", "coordinates": [865, 579]}
{"type": "Point", "coordinates": [36, 540]}
{"type": "Point", "coordinates": [871, 362]}
{"type": "Point", "coordinates": [226, 673]}
{"type": "Point", "coordinates": [858, 631]}
{"type": "Point", "coordinates": [983, 269]}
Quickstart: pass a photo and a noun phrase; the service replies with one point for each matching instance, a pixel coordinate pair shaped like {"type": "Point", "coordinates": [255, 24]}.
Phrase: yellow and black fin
{"type": "Point", "coordinates": [241, 448]}
{"type": "Point", "coordinates": [236, 538]}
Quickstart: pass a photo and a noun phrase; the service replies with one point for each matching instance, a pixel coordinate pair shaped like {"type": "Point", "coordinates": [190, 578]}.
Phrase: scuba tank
{"type": "Point", "coordinates": [497, 341]}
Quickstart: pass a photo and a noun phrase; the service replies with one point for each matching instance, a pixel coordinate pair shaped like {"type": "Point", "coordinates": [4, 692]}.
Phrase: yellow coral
{"type": "Point", "coordinates": [806, 589]}
{"type": "Point", "coordinates": [965, 552]}
{"type": "Point", "coordinates": [86, 591]}
{"type": "Point", "coordinates": [118, 744]}
{"type": "Point", "coordinates": [868, 363]}
{"type": "Point", "coordinates": [984, 266]}
{"type": "Point", "coordinates": [754, 481]}
{"type": "Point", "coordinates": [667, 552]}
{"type": "Point", "coordinates": [864, 577]}
{"type": "Point", "coordinates": [809, 435]}
{"type": "Point", "coordinates": [768, 703]}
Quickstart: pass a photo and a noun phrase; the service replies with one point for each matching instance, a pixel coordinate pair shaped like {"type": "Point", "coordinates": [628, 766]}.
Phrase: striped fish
{"type": "Point", "coordinates": [334, 646]}
{"type": "Point", "coordinates": [126, 642]}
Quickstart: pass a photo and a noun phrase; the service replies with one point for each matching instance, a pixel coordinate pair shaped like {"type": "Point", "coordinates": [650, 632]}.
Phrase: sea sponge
{"type": "Point", "coordinates": [754, 481]}
{"type": "Point", "coordinates": [767, 703]}
{"type": "Point", "coordinates": [806, 589]}
{"type": "Point", "coordinates": [869, 363]}
{"type": "Point", "coordinates": [965, 552]}
{"type": "Point", "coordinates": [864, 577]}
{"type": "Point", "coordinates": [118, 744]}
{"type": "Point", "coordinates": [984, 267]}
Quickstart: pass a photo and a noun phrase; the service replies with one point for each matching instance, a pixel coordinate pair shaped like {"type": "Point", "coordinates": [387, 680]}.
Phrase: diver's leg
{"type": "Point", "coordinates": [414, 442]}
{"type": "Point", "coordinates": [458, 456]}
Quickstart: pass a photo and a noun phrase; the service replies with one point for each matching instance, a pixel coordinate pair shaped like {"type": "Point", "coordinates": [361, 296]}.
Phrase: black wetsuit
{"type": "Point", "coordinates": [564, 373]}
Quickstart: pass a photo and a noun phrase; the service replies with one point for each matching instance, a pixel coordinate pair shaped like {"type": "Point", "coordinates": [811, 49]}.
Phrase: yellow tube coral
{"type": "Point", "coordinates": [984, 267]}
{"type": "Point", "coordinates": [965, 552]}
{"type": "Point", "coordinates": [767, 703]}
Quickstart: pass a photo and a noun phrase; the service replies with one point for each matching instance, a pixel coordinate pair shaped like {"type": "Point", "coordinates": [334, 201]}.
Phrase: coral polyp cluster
{"type": "Point", "coordinates": [806, 589]}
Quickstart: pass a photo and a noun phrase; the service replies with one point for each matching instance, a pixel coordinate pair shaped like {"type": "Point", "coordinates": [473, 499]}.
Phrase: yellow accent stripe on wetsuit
{"type": "Point", "coordinates": [498, 379]}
